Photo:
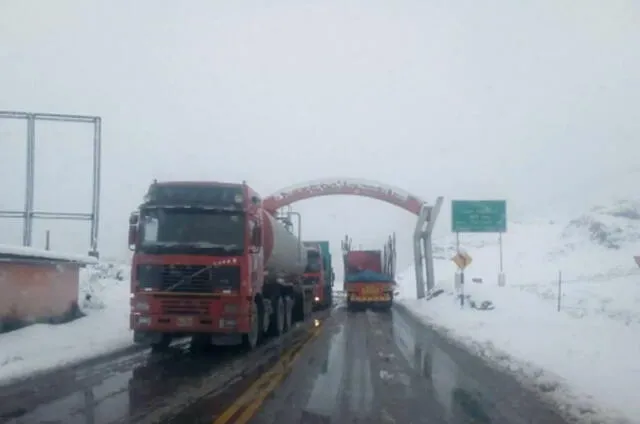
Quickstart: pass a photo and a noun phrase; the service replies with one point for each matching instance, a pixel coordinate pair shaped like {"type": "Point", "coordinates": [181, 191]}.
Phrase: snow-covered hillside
{"type": "Point", "coordinates": [585, 356]}
{"type": "Point", "coordinates": [104, 298]}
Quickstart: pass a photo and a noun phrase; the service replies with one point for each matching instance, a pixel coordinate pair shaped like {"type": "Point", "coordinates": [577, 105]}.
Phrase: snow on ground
{"type": "Point", "coordinates": [104, 298]}
{"type": "Point", "coordinates": [32, 252]}
{"type": "Point", "coordinates": [584, 357]}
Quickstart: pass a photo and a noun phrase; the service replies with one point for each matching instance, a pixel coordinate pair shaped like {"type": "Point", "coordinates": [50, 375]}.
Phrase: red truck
{"type": "Point", "coordinates": [319, 272]}
{"type": "Point", "coordinates": [210, 263]}
{"type": "Point", "coordinates": [369, 276]}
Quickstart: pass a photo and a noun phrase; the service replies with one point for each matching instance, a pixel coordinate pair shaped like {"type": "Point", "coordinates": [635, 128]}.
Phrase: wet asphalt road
{"type": "Point", "coordinates": [369, 367]}
{"type": "Point", "coordinates": [144, 387]}
{"type": "Point", "coordinates": [362, 367]}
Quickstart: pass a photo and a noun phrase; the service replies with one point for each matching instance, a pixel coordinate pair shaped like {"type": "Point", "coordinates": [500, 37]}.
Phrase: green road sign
{"type": "Point", "coordinates": [479, 216]}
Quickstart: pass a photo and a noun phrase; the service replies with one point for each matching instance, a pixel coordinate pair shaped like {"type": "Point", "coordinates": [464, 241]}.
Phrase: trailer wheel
{"type": "Point", "coordinates": [250, 340]}
{"type": "Point", "coordinates": [279, 312]}
{"type": "Point", "coordinates": [297, 307]}
{"type": "Point", "coordinates": [288, 313]}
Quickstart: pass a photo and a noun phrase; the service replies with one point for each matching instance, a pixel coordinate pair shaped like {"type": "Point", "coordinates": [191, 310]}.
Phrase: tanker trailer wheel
{"type": "Point", "coordinates": [288, 313]}
{"type": "Point", "coordinates": [250, 340]}
{"type": "Point", "coordinates": [279, 315]}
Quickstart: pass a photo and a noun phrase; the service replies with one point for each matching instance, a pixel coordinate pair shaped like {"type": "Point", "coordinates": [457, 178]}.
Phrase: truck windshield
{"type": "Point", "coordinates": [191, 229]}
{"type": "Point", "coordinates": [314, 263]}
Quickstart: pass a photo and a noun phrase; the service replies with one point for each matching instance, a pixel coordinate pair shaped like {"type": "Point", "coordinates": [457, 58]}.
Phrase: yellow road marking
{"type": "Point", "coordinates": [253, 396]}
{"type": "Point", "coordinates": [253, 407]}
{"type": "Point", "coordinates": [247, 395]}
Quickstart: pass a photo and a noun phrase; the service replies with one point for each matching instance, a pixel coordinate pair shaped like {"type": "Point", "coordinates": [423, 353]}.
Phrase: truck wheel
{"type": "Point", "coordinates": [250, 340]}
{"type": "Point", "coordinates": [297, 307]}
{"type": "Point", "coordinates": [288, 313]}
{"type": "Point", "coordinates": [279, 313]}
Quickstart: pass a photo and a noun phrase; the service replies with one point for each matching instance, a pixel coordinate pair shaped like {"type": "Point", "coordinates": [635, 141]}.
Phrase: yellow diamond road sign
{"type": "Point", "coordinates": [462, 260]}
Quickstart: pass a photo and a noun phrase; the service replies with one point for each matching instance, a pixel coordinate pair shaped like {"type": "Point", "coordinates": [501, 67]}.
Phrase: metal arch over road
{"type": "Point", "coordinates": [427, 214]}
{"type": "Point", "coordinates": [344, 186]}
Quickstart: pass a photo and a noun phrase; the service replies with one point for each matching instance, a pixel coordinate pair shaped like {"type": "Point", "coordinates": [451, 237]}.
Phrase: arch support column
{"type": "Point", "coordinates": [423, 249]}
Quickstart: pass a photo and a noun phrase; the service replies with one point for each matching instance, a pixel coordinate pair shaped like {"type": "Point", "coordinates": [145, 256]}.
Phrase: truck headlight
{"type": "Point", "coordinates": [227, 323]}
{"type": "Point", "coordinates": [142, 306]}
{"type": "Point", "coordinates": [142, 320]}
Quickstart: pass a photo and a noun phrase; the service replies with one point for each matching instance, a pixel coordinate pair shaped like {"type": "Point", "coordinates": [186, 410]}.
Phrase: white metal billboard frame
{"type": "Point", "coordinates": [28, 214]}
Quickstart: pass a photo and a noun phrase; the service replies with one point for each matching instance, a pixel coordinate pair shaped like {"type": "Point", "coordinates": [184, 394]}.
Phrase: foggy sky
{"type": "Point", "coordinates": [531, 101]}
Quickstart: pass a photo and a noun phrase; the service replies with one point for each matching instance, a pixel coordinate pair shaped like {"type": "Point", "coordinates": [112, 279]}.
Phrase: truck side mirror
{"type": "Point", "coordinates": [133, 231]}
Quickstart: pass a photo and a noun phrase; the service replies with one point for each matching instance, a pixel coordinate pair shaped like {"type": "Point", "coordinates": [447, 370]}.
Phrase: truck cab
{"type": "Point", "coordinates": [196, 246]}
{"type": "Point", "coordinates": [319, 273]}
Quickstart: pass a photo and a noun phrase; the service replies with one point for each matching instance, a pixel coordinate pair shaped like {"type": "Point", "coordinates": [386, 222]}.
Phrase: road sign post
{"type": "Point", "coordinates": [480, 216]}
{"type": "Point", "coordinates": [462, 260]}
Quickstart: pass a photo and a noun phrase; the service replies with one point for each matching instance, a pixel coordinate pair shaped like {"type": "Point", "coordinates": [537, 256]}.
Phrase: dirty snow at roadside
{"type": "Point", "coordinates": [104, 298]}
{"type": "Point", "coordinates": [583, 357]}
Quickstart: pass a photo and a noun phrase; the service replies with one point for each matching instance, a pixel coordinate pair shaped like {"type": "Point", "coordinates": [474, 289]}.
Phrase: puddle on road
{"type": "Point", "coordinates": [361, 393]}
{"type": "Point", "coordinates": [116, 396]}
{"type": "Point", "coordinates": [100, 404]}
{"type": "Point", "coordinates": [359, 384]}
{"type": "Point", "coordinates": [460, 396]}
{"type": "Point", "coordinates": [326, 388]}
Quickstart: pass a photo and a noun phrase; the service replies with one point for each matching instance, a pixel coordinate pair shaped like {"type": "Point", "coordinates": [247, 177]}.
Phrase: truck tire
{"type": "Point", "coordinates": [288, 313]}
{"type": "Point", "coordinates": [250, 340]}
{"type": "Point", "coordinates": [297, 307]}
{"type": "Point", "coordinates": [276, 329]}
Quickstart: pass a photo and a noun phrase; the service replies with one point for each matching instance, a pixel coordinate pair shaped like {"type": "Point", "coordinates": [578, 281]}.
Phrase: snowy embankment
{"type": "Point", "coordinates": [104, 298]}
{"type": "Point", "coordinates": [583, 357]}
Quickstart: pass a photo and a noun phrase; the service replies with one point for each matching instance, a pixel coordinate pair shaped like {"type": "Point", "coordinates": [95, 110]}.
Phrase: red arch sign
{"type": "Point", "coordinates": [350, 187]}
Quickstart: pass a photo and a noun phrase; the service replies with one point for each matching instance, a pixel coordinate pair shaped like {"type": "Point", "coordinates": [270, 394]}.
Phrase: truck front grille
{"type": "Point", "coordinates": [189, 278]}
{"type": "Point", "coordinates": [185, 306]}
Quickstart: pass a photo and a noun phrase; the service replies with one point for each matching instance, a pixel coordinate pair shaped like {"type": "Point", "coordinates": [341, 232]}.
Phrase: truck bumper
{"type": "Point", "coordinates": [189, 324]}
{"type": "Point", "coordinates": [374, 302]}
{"type": "Point", "coordinates": [369, 299]}
{"type": "Point", "coordinates": [186, 316]}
